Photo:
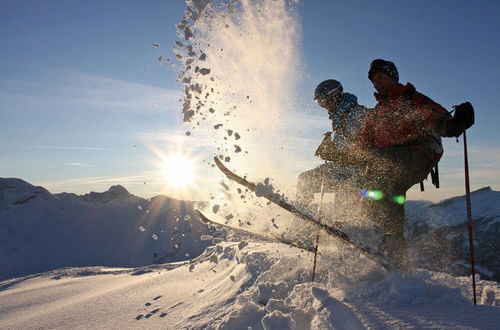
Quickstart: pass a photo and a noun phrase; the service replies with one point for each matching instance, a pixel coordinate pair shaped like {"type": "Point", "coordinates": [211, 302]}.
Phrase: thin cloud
{"type": "Point", "coordinates": [75, 90]}
{"type": "Point", "coordinates": [197, 139]}
{"type": "Point", "coordinates": [79, 165]}
{"type": "Point", "coordinates": [108, 180]}
{"type": "Point", "coordinates": [59, 147]}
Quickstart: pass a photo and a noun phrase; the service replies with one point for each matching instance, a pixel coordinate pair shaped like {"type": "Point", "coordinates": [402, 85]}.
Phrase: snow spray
{"type": "Point", "coordinates": [239, 62]}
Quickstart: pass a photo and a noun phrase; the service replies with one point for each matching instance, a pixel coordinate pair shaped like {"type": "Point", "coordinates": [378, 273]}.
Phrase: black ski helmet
{"type": "Point", "coordinates": [330, 88]}
{"type": "Point", "coordinates": [387, 67]}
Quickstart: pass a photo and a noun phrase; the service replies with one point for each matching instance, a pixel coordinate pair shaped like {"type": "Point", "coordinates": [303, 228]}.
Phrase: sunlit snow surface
{"type": "Point", "coordinates": [235, 286]}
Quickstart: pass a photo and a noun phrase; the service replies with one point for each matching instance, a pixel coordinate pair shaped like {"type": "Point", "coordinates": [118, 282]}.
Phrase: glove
{"type": "Point", "coordinates": [325, 146]}
{"type": "Point", "coordinates": [463, 117]}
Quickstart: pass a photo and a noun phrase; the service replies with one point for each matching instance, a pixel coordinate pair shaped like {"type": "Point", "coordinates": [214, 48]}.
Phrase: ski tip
{"type": "Point", "coordinates": [218, 162]}
{"type": "Point", "coordinates": [221, 166]}
{"type": "Point", "coordinates": [200, 215]}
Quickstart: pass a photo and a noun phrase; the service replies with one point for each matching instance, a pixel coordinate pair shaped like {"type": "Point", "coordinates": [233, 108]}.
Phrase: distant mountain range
{"type": "Point", "coordinates": [438, 237]}
{"type": "Point", "coordinates": [40, 231]}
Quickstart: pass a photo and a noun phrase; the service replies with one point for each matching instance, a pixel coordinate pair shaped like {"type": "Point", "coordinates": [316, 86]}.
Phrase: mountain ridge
{"type": "Point", "coordinates": [116, 228]}
{"type": "Point", "coordinates": [40, 231]}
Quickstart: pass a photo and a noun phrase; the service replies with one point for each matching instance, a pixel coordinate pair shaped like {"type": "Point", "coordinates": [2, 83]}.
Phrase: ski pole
{"type": "Point", "coordinates": [469, 217]}
{"type": "Point", "coordinates": [322, 191]}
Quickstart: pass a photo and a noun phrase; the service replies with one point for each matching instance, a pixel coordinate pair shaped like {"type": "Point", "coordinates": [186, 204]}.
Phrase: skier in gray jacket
{"type": "Point", "coordinates": [347, 116]}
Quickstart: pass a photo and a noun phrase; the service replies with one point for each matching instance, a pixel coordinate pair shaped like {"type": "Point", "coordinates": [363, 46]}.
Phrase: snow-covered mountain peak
{"type": "Point", "coordinates": [15, 192]}
{"type": "Point", "coordinates": [453, 211]}
{"type": "Point", "coordinates": [115, 195]}
{"type": "Point", "coordinates": [485, 193]}
{"type": "Point", "coordinates": [438, 233]}
{"type": "Point", "coordinates": [118, 190]}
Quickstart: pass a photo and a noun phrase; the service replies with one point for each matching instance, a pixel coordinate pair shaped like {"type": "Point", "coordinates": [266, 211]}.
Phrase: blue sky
{"type": "Point", "coordinates": [85, 103]}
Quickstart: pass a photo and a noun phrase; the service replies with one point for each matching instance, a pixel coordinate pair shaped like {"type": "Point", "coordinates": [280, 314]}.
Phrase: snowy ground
{"type": "Point", "coordinates": [232, 285]}
{"type": "Point", "coordinates": [239, 285]}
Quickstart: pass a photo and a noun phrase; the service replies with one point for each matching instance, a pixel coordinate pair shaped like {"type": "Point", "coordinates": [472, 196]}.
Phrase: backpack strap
{"type": "Point", "coordinates": [435, 175]}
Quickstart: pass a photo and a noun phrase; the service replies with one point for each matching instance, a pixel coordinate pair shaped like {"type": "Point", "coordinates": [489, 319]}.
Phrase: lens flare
{"type": "Point", "coordinates": [373, 194]}
{"type": "Point", "coordinates": [399, 199]}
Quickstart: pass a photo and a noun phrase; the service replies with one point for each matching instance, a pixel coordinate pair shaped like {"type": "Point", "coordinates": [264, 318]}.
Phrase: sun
{"type": "Point", "coordinates": [178, 171]}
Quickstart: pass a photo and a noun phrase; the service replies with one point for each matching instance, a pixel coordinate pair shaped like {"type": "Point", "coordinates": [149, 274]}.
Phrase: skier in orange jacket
{"type": "Point", "coordinates": [399, 143]}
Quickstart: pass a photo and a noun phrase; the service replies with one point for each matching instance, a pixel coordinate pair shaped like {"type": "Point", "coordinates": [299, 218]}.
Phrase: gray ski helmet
{"type": "Point", "coordinates": [330, 88]}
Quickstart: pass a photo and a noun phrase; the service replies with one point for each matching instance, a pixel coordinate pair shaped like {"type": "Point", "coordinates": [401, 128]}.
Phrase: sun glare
{"type": "Point", "coordinates": [178, 171]}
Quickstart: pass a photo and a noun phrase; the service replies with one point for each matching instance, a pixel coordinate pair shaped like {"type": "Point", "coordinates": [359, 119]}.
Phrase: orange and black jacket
{"type": "Point", "coordinates": [403, 117]}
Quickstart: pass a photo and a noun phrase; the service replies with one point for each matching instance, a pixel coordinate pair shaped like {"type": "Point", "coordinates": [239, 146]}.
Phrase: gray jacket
{"type": "Point", "coordinates": [347, 119]}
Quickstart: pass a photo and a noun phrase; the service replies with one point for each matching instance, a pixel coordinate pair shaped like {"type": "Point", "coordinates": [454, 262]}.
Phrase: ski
{"type": "Point", "coordinates": [280, 201]}
{"type": "Point", "coordinates": [272, 238]}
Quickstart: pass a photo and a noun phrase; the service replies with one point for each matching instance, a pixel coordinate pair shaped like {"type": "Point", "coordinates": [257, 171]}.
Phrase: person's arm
{"type": "Point", "coordinates": [354, 155]}
{"type": "Point", "coordinates": [326, 149]}
{"type": "Point", "coordinates": [441, 120]}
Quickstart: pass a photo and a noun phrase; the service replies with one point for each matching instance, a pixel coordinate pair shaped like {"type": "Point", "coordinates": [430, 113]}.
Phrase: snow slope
{"type": "Point", "coordinates": [241, 285]}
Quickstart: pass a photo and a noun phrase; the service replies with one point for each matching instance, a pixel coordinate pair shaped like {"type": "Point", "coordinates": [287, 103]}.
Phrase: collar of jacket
{"type": "Point", "coordinates": [346, 103]}
{"type": "Point", "coordinates": [394, 92]}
